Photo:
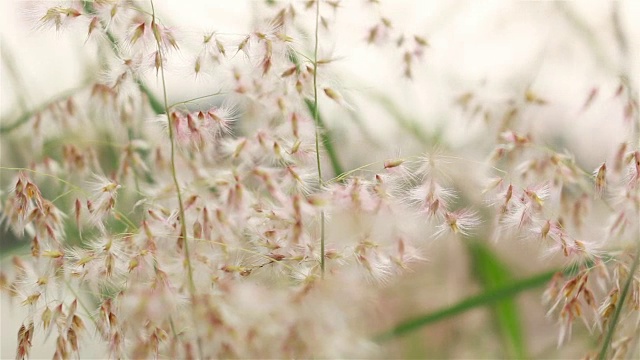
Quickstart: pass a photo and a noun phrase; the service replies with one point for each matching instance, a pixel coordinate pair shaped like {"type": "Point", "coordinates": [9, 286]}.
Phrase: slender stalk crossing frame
{"type": "Point", "coordinates": [616, 315]}
{"type": "Point", "coordinates": [315, 120]}
{"type": "Point", "coordinates": [183, 224]}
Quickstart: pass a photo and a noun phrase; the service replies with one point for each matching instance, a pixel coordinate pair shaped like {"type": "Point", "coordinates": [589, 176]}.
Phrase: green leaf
{"type": "Point", "coordinates": [492, 273]}
{"type": "Point", "coordinates": [616, 315]}
{"type": "Point", "coordinates": [156, 105]}
{"type": "Point", "coordinates": [327, 140]}
{"type": "Point", "coordinates": [488, 297]}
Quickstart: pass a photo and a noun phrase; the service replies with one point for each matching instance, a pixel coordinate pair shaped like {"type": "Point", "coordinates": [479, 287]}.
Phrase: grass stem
{"type": "Point", "coordinates": [183, 224]}
{"type": "Point", "coordinates": [315, 118]}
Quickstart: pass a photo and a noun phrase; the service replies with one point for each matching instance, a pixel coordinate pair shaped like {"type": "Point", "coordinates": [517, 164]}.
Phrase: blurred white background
{"type": "Point", "coordinates": [495, 48]}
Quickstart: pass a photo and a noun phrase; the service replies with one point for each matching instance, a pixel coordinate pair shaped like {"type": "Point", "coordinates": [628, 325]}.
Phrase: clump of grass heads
{"type": "Point", "coordinates": [236, 224]}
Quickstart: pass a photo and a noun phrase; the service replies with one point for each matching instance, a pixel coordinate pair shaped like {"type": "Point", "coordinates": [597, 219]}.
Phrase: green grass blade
{"type": "Point", "coordinates": [156, 105]}
{"type": "Point", "coordinates": [327, 140]}
{"type": "Point", "coordinates": [492, 273]}
{"type": "Point", "coordinates": [616, 315]}
{"type": "Point", "coordinates": [409, 124]}
{"type": "Point", "coordinates": [488, 297]}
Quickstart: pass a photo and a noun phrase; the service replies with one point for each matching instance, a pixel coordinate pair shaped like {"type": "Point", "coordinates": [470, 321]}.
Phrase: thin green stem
{"type": "Point", "coordinates": [125, 220]}
{"type": "Point", "coordinates": [315, 94]}
{"type": "Point", "coordinates": [173, 328]}
{"type": "Point", "coordinates": [183, 224]}
{"type": "Point", "coordinates": [82, 305]}
{"type": "Point", "coordinates": [219, 92]}
{"type": "Point", "coordinates": [623, 296]}
{"type": "Point", "coordinates": [316, 120]}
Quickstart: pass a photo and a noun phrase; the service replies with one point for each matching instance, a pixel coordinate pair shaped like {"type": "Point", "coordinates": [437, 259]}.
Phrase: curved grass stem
{"type": "Point", "coordinates": [616, 315]}
{"type": "Point", "coordinates": [316, 120]}
{"type": "Point", "coordinates": [183, 224]}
